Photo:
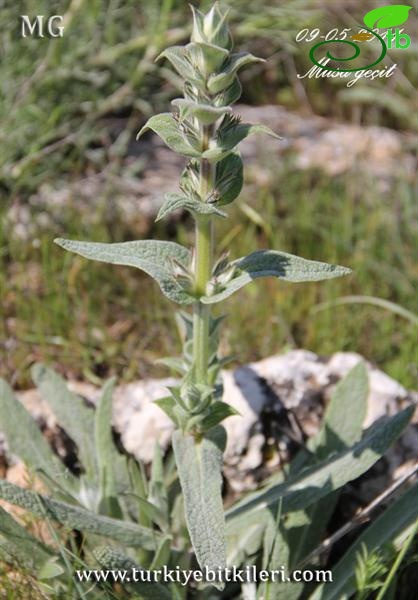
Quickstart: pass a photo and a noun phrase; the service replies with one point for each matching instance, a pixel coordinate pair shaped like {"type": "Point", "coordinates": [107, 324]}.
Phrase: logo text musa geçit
{"type": "Point", "coordinates": [388, 18]}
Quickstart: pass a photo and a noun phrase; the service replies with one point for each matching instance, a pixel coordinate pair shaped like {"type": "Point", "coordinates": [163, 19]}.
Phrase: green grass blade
{"type": "Point", "coordinates": [380, 302]}
{"type": "Point", "coordinates": [401, 555]}
{"type": "Point", "coordinates": [391, 525]}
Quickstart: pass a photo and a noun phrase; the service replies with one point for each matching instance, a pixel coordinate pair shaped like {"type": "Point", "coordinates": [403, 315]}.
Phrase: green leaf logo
{"type": "Point", "coordinates": [387, 16]}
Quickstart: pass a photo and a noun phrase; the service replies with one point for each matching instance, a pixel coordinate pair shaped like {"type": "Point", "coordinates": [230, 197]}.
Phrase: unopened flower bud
{"type": "Point", "coordinates": [215, 28]}
{"type": "Point", "coordinates": [211, 28]}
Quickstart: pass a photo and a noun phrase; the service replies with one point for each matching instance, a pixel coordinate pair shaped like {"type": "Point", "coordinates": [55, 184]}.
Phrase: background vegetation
{"type": "Point", "coordinates": [70, 109]}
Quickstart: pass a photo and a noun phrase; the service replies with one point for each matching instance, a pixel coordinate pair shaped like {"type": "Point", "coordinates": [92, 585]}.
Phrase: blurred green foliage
{"type": "Point", "coordinates": [58, 93]}
{"type": "Point", "coordinates": [71, 106]}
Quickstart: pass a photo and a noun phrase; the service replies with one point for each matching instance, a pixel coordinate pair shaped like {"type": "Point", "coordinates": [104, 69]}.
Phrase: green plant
{"type": "Point", "coordinates": [204, 130]}
{"type": "Point", "coordinates": [129, 520]}
{"type": "Point", "coordinates": [111, 498]}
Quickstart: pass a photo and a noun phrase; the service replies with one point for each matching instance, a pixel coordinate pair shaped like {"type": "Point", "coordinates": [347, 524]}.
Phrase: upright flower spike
{"type": "Point", "coordinates": [211, 28]}
{"type": "Point", "coordinates": [203, 129]}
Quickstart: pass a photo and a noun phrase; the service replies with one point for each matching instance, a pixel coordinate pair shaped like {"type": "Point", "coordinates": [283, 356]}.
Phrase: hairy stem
{"type": "Point", "coordinates": [203, 268]}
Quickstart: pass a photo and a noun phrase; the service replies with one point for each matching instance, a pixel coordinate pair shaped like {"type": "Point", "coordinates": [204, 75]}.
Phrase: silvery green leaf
{"type": "Point", "coordinates": [276, 552]}
{"type": "Point", "coordinates": [245, 543]}
{"type": "Point", "coordinates": [25, 440]}
{"type": "Point", "coordinates": [222, 80]}
{"type": "Point", "coordinates": [162, 555]}
{"type": "Point", "coordinates": [19, 547]}
{"type": "Point", "coordinates": [112, 559]}
{"type": "Point", "coordinates": [229, 95]}
{"type": "Point", "coordinates": [179, 57]}
{"type": "Point", "coordinates": [341, 428]}
{"type": "Point", "coordinates": [173, 363]}
{"type": "Point", "coordinates": [169, 130]}
{"type": "Point", "coordinates": [177, 393]}
{"type": "Point", "coordinates": [168, 405]}
{"type": "Point", "coordinates": [316, 482]}
{"type": "Point", "coordinates": [51, 569]}
{"type": "Point", "coordinates": [112, 466]}
{"type": "Point", "coordinates": [229, 178]}
{"type": "Point", "coordinates": [272, 263]}
{"type": "Point", "coordinates": [199, 464]}
{"type": "Point", "coordinates": [174, 201]}
{"type": "Point", "coordinates": [205, 113]}
{"type": "Point", "coordinates": [103, 439]}
{"type": "Point", "coordinates": [78, 518]}
{"type": "Point", "coordinates": [138, 489]}
{"type": "Point", "coordinates": [157, 491]}
{"type": "Point", "coordinates": [72, 414]}
{"type": "Point", "coordinates": [388, 528]}
{"type": "Point", "coordinates": [206, 57]}
{"type": "Point", "coordinates": [232, 131]}
{"type": "Point", "coordinates": [184, 323]}
{"type": "Point", "coordinates": [230, 137]}
{"type": "Point", "coordinates": [153, 513]}
{"type": "Point", "coordinates": [151, 256]}
{"type": "Point", "coordinates": [218, 411]}
{"type": "Point", "coordinates": [344, 415]}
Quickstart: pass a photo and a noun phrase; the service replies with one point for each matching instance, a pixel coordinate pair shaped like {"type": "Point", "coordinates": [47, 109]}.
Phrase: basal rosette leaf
{"type": "Point", "coordinates": [111, 558]}
{"type": "Point", "coordinates": [72, 414]}
{"type": "Point", "coordinates": [219, 81]}
{"type": "Point", "coordinates": [320, 480]}
{"type": "Point", "coordinates": [19, 547]}
{"type": "Point", "coordinates": [154, 257]}
{"type": "Point", "coordinates": [349, 395]}
{"type": "Point", "coordinates": [176, 201]}
{"type": "Point", "coordinates": [26, 441]}
{"type": "Point", "coordinates": [316, 482]}
{"type": "Point", "coordinates": [169, 130]}
{"type": "Point", "coordinates": [112, 466]}
{"type": "Point", "coordinates": [341, 428]}
{"type": "Point", "coordinates": [74, 517]}
{"type": "Point", "coordinates": [272, 263]}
